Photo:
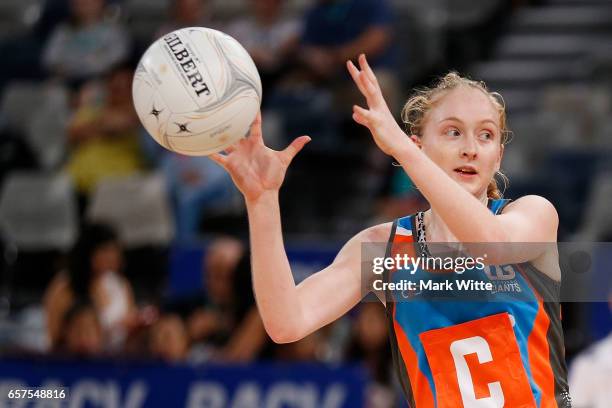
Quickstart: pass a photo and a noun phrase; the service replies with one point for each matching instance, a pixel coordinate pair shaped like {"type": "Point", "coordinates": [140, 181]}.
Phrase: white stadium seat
{"type": "Point", "coordinates": [137, 206]}
{"type": "Point", "coordinates": [38, 210]}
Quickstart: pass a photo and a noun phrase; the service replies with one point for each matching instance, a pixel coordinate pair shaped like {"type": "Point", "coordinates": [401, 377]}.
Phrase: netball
{"type": "Point", "coordinates": [196, 91]}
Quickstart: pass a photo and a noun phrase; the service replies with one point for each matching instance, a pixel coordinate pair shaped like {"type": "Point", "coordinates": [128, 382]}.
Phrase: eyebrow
{"type": "Point", "coordinates": [456, 119]}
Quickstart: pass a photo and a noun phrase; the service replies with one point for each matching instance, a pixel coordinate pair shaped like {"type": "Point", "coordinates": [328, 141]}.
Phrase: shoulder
{"type": "Point", "coordinates": [535, 206]}
{"type": "Point", "coordinates": [59, 284]}
{"type": "Point", "coordinates": [61, 32]}
{"type": "Point", "coordinates": [59, 290]}
{"type": "Point", "coordinates": [376, 233]}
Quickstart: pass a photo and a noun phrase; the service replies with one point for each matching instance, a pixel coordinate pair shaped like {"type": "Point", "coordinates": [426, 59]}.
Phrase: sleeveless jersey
{"type": "Point", "coordinates": [491, 352]}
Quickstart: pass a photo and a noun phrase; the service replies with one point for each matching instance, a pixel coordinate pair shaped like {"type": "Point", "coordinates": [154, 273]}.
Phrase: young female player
{"type": "Point", "coordinates": [447, 354]}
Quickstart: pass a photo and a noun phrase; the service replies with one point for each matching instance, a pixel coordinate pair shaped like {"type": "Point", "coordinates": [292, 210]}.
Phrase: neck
{"type": "Point", "coordinates": [266, 20]}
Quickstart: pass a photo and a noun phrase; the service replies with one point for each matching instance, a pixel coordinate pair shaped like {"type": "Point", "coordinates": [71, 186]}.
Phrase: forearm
{"type": "Point", "coordinates": [248, 338]}
{"type": "Point", "coordinates": [467, 218]}
{"type": "Point", "coordinates": [78, 132]}
{"type": "Point", "coordinates": [372, 42]}
{"type": "Point", "coordinates": [273, 283]}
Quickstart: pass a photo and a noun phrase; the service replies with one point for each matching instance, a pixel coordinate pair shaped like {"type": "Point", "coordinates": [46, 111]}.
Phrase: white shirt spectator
{"type": "Point", "coordinates": [265, 42]}
{"type": "Point", "coordinates": [590, 376]}
{"type": "Point", "coordinates": [85, 52]}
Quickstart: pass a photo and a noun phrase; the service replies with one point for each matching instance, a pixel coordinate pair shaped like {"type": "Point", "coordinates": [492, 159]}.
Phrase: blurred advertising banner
{"type": "Point", "coordinates": [108, 384]}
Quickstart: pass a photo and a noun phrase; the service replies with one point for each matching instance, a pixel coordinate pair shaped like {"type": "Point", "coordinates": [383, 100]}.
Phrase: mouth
{"type": "Point", "coordinates": [466, 171]}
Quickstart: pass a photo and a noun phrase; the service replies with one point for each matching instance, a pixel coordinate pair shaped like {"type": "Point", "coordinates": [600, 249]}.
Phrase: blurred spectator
{"type": "Point", "coordinates": [237, 330]}
{"type": "Point", "coordinates": [224, 322]}
{"type": "Point", "coordinates": [371, 346]}
{"type": "Point", "coordinates": [590, 374]}
{"type": "Point", "coordinates": [169, 340]}
{"type": "Point", "coordinates": [270, 38]}
{"type": "Point", "coordinates": [82, 334]}
{"type": "Point", "coordinates": [399, 196]}
{"type": "Point", "coordinates": [104, 134]}
{"type": "Point", "coordinates": [85, 46]}
{"type": "Point", "coordinates": [198, 187]}
{"type": "Point", "coordinates": [338, 30]}
{"type": "Point", "coordinates": [93, 276]}
{"type": "Point", "coordinates": [316, 98]}
{"type": "Point", "coordinates": [187, 13]}
{"type": "Point", "coordinates": [26, 49]}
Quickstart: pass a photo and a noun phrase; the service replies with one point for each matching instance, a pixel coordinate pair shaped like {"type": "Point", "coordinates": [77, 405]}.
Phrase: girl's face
{"type": "Point", "coordinates": [266, 8]}
{"type": "Point", "coordinates": [461, 134]}
{"type": "Point", "coordinates": [106, 257]}
{"type": "Point", "coordinates": [87, 10]}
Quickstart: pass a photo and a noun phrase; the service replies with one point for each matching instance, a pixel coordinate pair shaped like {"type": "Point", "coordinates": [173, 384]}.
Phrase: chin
{"type": "Point", "coordinates": [471, 188]}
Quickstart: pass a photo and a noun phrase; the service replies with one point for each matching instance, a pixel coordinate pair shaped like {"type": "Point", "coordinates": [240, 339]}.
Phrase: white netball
{"type": "Point", "coordinates": [196, 91]}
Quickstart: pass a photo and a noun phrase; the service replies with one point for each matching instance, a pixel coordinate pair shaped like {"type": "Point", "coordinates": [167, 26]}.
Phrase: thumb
{"type": "Point", "coordinates": [290, 151]}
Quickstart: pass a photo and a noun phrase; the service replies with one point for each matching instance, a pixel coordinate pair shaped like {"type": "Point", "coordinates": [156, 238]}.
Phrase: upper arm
{"type": "Point", "coordinates": [56, 301]}
{"type": "Point", "coordinates": [530, 219]}
{"type": "Point", "coordinates": [529, 228]}
{"type": "Point", "coordinates": [53, 48]}
{"type": "Point", "coordinates": [327, 295]}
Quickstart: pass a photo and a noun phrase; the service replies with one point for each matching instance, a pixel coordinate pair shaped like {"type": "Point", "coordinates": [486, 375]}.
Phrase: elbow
{"type": "Point", "coordinates": [283, 336]}
{"type": "Point", "coordinates": [281, 339]}
{"type": "Point", "coordinates": [283, 333]}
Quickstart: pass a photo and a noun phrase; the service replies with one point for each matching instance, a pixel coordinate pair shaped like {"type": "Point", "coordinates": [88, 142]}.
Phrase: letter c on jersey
{"type": "Point", "coordinates": [459, 349]}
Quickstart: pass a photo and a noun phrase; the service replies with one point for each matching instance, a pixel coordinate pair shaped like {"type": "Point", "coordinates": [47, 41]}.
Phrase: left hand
{"type": "Point", "coordinates": [378, 118]}
{"type": "Point", "coordinates": [321, 61]}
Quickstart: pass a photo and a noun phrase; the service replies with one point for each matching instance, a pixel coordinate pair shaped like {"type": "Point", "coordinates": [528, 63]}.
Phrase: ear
{"type": "Point", "coordinates": [499, 159]}
{"type": "Point", "coordinates": [416, 140]}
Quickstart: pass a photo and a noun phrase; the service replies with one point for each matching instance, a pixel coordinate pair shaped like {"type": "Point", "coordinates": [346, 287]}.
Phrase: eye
{"type": "Point", "coordinates": [452, 132]}
{"type": "Point", "coordinates": [486, 135]}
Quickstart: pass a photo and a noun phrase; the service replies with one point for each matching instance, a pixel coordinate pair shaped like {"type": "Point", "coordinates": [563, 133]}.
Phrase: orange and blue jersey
{"type": "Point", "coordinates": [500, 348]}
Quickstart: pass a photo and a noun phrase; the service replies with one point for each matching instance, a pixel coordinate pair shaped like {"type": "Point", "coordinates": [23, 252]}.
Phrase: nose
{"type": "Point", "coordinates": [469, 148]}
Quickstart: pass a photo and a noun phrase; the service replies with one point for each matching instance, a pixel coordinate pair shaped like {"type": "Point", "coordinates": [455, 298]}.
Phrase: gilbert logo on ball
{"type": "Point", "coordinates": [196, 91]}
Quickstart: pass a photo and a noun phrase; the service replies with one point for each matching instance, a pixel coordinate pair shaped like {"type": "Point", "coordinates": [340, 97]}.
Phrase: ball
{"type": "Point", "coordinates": [196, 91]}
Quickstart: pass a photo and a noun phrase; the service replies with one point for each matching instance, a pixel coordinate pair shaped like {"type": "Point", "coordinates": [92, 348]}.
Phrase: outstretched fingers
{"type": "Point", "coordinates": [293, 149]}
{"type": "Point", "coordinates": [355, 74]}
{"type": "Point", "coordinates": [229, 149]}
{"type": "Point", "coordinates": [365, 67]}
{"type": "Point", "coordinates": [219, 158]}
{"type": "Point", "coordinates": [361, 115]}
{"type": "Point", "coordinates": [366, 82]}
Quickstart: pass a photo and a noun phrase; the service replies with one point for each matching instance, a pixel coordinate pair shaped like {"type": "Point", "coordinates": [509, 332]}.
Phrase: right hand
{"type": "Point", "coordinates": [202, 323]}
{"type": "Point", "coordinates": [254, 167]}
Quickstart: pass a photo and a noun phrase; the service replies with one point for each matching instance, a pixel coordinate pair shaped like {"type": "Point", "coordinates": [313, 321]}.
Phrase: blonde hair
{"type": "Point", "coordinates": [423, 99]}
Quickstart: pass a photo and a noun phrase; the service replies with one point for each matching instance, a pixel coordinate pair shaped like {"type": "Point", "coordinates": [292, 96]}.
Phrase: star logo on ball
{"type": "Point", "coordinates": [155, 112]}
{"type": "Point", "coordinates": [182, 127]}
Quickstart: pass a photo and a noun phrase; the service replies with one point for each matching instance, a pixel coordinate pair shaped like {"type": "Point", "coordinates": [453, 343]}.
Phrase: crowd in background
{"type": "Point", "coordinates": [105, 296]}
